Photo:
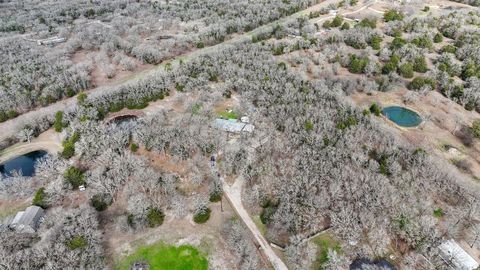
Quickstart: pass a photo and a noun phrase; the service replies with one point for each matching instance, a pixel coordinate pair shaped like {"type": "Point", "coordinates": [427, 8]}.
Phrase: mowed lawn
{"type": "Point", "coordinates": [228, 115]}
{"type": "Point", "coordinates": [161, 256]}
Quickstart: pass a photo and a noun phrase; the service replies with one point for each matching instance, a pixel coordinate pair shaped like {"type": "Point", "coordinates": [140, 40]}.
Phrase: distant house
{"type": "Point", "coordinates": [51, 41]}
{"type": "Point", "coordinates": [28, 220]}
{"type": "Point", "coordinates": [233, 126]}
{"type": "Point", "coordinates": [456, 256]}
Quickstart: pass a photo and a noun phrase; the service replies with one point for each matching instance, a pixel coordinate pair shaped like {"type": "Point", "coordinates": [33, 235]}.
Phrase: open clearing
{"type": "Point", "coordinates": [163, 257]}
{"type": "Point", "coordinates": [442, 118]}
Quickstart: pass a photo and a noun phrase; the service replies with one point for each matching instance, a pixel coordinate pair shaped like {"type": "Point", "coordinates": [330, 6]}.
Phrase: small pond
{"type": "Point", "coordinates": [24, 163]}
{"type": "Point", "coordinates": [124, 119]}
{"type": "Point", "coordinates": [402, 116]}
{"type": "Point", "coordinates": [361, 263]}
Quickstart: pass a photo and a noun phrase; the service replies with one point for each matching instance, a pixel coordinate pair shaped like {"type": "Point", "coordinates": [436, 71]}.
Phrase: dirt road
{"type": "Point", "coordinates": [344, 14]}
{"type": "Point", "coordinates": [233, 195]}
{"type": "Point", "coordinates": [11, 127]}
{"type": "Point", "coordinates": [48, 141]}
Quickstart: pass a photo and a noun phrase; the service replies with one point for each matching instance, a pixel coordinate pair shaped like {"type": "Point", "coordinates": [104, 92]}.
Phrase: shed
{"type": "Point", "coordinates": [28, 220]}
{"type": "Point", "coordinates": [51, 41]}
{"type": "Point", "coordinates": [453, 254]}
{"type": "Point", "coordinates": [233, 126]}
{"type": "Point", "coordinates": [333, 12]}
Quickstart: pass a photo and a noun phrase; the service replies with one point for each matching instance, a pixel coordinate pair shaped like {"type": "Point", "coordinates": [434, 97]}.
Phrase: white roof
{"type": "Point", "coordinates": [233, 126]}
{"type": "Point", "coordinates": [457, 256]}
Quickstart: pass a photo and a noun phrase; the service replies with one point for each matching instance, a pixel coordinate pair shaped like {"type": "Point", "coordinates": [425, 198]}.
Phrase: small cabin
{"type": "Point", "coordinates": [28, 220]}
{"type": "Point", "coordinates": [233, 126]}
{"type": "Point", "coordinates": [51, 41]}
{"type": "Point", "coordinates": [333, 12]}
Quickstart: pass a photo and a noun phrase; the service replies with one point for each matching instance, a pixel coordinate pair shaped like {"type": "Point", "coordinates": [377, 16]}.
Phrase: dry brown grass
{"type": "Point", "coordinates": [445, 117]}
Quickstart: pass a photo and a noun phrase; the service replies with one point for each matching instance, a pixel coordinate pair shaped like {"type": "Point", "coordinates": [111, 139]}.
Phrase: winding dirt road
{"type": "Point", "coordinates": [51, 142]}
{"type": "Point", "coordinates": [11, 127]}
{"type": "Point", "coordinates": [233, 194]}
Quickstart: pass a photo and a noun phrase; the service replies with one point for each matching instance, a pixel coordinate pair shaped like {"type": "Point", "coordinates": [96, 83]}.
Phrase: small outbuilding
{"type": "Point", "coordinates": [333, 12]}
{"type": "Point", "coordinates": [28, 220]}
{"type": "Point", "coordinates": [456, 256]}
{"type": "Point", "coordinates": [232, 125]}
{"type": "Point", "coordinates": [51, 41]}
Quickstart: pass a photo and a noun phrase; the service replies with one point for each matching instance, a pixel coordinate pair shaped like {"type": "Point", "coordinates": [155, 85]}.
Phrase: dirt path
{"type": "Point", "coordinates": [11, 127]}
{"type": "Point", "coordinates": [233, 193]}
{"type": "Point", "coordinates": [234, 196]}
{"type": "Point", "coordinates": [363, 7]}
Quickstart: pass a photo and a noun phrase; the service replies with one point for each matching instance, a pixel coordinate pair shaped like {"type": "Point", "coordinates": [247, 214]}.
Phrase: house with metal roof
{"type": "Point", "coordinates": [28, 220]}
{"type": "Point", "coordinates": [51, 41]}
{"type": "Point", "coordinates": [456, 256]}
{"type": "Point", "coordinates": [232, 125]}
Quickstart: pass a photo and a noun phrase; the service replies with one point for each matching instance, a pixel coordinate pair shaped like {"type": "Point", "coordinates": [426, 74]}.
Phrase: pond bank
{"type": "Point", "coordinates": [24, 164]}
{"type": "Point", "coordinates": [402, 116]}
{"type": "Point", "coordinates": [48, 141]}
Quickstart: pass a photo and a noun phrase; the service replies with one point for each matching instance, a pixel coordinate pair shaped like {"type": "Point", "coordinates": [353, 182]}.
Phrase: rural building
{"type": "Point", "coordinates": [51, 41]}
{"type": "Point", "coordinates": [28, 220]}
{"type": "Point", "coordinates": [456, 256]}
{"type": "Point", "coordinates": [333, 12]}
{"type": "Point", "coordinates": [232, 125]}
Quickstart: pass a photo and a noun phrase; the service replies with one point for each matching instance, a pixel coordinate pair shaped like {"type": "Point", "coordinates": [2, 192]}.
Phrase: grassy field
{"type": "Point", "coordinates": [228, 115]}
{"type": "Point", "coordinates": [262, 227]}
{"type": "Point", "coordinates": [161, 256]}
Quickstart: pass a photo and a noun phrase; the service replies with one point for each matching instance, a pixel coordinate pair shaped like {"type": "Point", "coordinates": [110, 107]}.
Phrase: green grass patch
{"type": "Point", "coordinates": [228, 115]}
{"type": "Point", "coordinates": [161, 256]}
{"type": "Point", "coordinates": [76, 242]}
{"type": "Point", "coordinates": [324, 242]}
{"type": "Point", "coordinates": [262, 227]}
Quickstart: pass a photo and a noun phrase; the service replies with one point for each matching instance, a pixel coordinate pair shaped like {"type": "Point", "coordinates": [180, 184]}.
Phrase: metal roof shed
{"type": "Point", "coordinates": [233, 126]}
{"type": "Point", "coordinates": [29, 219]}
{"type": "Point", "coordinates": [456, 255]}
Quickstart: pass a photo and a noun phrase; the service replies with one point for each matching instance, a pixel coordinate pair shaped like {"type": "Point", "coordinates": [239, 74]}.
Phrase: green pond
{"type": "Point", "coordinates": [402, 116]}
